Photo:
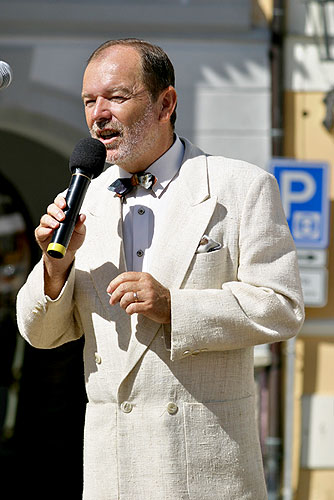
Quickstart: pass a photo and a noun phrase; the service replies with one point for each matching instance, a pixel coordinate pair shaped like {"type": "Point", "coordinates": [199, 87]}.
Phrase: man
{"type": "Point", "coordinates": [172, 287]}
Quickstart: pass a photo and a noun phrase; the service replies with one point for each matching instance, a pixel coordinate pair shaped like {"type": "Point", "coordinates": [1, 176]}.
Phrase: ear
{"type": "Point", "coordinates": [167, 102]}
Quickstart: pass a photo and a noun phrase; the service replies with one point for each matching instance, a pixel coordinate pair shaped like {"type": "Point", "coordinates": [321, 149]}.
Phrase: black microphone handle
{"type": "Point", "coordinates": [74, 199]}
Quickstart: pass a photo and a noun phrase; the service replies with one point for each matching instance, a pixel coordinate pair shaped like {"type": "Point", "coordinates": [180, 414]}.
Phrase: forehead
{"type": "Point", "coordinates": [116, 65]}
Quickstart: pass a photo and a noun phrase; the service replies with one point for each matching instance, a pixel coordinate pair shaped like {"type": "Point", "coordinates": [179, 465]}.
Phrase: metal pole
{"type": "Point", "coordinates": [273, 446]}
{"type": "Point", "coordinates": [277, 86]}
{"type": "Point", "coordinates": [274, 441]}
{"type": "Point", "coordinates": [287, 493]}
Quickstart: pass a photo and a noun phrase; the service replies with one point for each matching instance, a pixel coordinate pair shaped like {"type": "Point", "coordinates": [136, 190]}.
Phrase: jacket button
{"type": "Point", "coordinates": [126, 407]}
{"type": "Point", "coordinates": [98, 359]}
{"type": "Point", "coordinates": [172, 408]}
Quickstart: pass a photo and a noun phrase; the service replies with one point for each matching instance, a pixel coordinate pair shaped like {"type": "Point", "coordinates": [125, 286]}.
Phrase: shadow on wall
{"type": "Point", "coordinates": [37, 172]}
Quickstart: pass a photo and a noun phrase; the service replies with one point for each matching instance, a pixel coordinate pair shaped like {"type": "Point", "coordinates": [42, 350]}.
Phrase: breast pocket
{"type": "Point", "coordinates": [210, 270]}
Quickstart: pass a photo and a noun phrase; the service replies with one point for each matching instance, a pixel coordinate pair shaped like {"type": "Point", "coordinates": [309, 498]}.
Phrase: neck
{"type": "Point", "coordinates": [160, 148]}
{"type": "Point", "coordinates": [166, 146]}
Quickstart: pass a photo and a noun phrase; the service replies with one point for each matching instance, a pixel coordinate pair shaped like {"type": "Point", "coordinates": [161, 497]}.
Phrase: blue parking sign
{"type": "Point", "coordinates": [304, 188]}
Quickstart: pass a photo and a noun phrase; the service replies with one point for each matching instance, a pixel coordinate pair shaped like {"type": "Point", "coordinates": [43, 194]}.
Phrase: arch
{"type": "Point", "coordinates": [36, 169]}
{"type": "Point", "coordinates": [56, 135]}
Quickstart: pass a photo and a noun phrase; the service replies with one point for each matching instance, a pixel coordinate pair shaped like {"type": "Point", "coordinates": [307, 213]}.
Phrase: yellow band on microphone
{"type": "Point", "coordinates": [54, 249]}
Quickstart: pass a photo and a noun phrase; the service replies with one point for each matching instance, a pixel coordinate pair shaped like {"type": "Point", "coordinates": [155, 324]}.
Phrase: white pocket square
{"type": "Point", "coordinates": [207, 244]}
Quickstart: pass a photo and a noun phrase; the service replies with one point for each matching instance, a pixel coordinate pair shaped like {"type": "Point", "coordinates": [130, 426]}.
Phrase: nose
{"type": "Point", "coordinates": [101, 110]}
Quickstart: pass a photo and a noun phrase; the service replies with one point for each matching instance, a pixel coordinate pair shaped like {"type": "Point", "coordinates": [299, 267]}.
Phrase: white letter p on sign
{"type": "Point", "coordinates": [301, 196]}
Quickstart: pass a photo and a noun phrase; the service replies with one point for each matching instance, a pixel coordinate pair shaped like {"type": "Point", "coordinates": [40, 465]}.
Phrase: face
{"type": "Point", "coordinates": [119, 109]}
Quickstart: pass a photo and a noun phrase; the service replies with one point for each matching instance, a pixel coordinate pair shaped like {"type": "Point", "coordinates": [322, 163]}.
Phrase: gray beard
{"type": "Point", "coordinates": [136, 142]}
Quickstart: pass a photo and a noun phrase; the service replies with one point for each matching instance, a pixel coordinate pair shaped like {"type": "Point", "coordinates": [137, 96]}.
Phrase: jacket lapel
{"type": "Point", "coordinates": [185, 224]}
{"type": "Point", "coordinates": [107, 260]}
{"type": "Point", "coordinates": [190, 212]}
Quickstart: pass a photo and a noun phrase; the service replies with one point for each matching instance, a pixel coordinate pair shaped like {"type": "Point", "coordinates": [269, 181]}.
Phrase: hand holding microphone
{"type": "Point", "coordinates": [86, 163]}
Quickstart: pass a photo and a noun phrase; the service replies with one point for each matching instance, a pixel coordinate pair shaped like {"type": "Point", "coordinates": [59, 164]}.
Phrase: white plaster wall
{"type": "Point", "coordinates": [308, 67]}
{"type": "Point", "coordinates": [221, 63]}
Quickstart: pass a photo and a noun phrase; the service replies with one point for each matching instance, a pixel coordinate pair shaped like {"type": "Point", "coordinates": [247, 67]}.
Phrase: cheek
{"type": "Point", "coordinates": [88, 117]}
{"type": "Point", "coordinates": [126, 117]}
{"type": "Point", "coordinates": [89, 114]}
{"type": "Point", "coordinates": [136, 114]}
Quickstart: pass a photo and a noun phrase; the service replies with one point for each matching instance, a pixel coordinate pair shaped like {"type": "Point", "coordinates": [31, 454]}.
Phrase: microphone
{"type": "Point", "coordinates": [86, 162]}
{"type": "Point", "coordinates": [6, 75]}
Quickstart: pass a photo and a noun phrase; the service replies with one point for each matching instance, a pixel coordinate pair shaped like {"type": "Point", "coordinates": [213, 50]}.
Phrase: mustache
{"type": "Point", "coordinates": [106, 125]}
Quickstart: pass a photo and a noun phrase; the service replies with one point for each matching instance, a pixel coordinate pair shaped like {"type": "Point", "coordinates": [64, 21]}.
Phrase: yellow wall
{"type": "Point", "coordinates": [262, 11]}
{"type": "Point", "coordinates": [307, 139]}
{"type": "Point", "coordinates": [305, 135]}
{"type": "Point", "coordinates": [314, 374]}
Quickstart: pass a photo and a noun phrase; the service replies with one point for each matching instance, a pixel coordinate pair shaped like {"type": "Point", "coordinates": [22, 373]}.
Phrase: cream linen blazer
{"type": "Point", "coordinates": [171, 410]}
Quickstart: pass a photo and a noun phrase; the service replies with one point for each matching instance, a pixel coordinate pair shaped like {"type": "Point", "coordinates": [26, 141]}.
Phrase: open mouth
{"type": "Point", "coordinates": [106, 134]}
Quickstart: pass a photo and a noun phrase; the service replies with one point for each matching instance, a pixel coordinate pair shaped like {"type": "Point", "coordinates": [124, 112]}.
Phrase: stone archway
{"type": "Point", "coordinates": [35, 170]}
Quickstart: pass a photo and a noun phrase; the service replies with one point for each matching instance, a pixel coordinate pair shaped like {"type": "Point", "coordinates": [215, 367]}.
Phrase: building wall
{"type": "Point", "coordinates": [219, 50]}
{"type": "Point", "coordinates": [309, 77]}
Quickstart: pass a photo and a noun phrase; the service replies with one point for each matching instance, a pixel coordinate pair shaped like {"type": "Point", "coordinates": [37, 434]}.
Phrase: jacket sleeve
{"type": "Point", "coordinates": [264, 304]}
{"type": "Point", "coordinates": [43, 322]}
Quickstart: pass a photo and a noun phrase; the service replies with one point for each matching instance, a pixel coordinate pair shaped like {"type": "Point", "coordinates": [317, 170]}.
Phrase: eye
{"type": "Point", "coordinates": [118, 98]}
{"type": "Point", "coordinates": [89, 102]}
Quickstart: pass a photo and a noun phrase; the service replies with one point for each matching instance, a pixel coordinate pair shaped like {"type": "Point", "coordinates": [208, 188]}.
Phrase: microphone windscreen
{"type": "Point", "coordinates": [89, 155]}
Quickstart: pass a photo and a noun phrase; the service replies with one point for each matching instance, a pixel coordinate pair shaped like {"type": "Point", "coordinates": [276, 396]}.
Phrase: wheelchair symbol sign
{"type": "Point", "coordinates": [304, 194]}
